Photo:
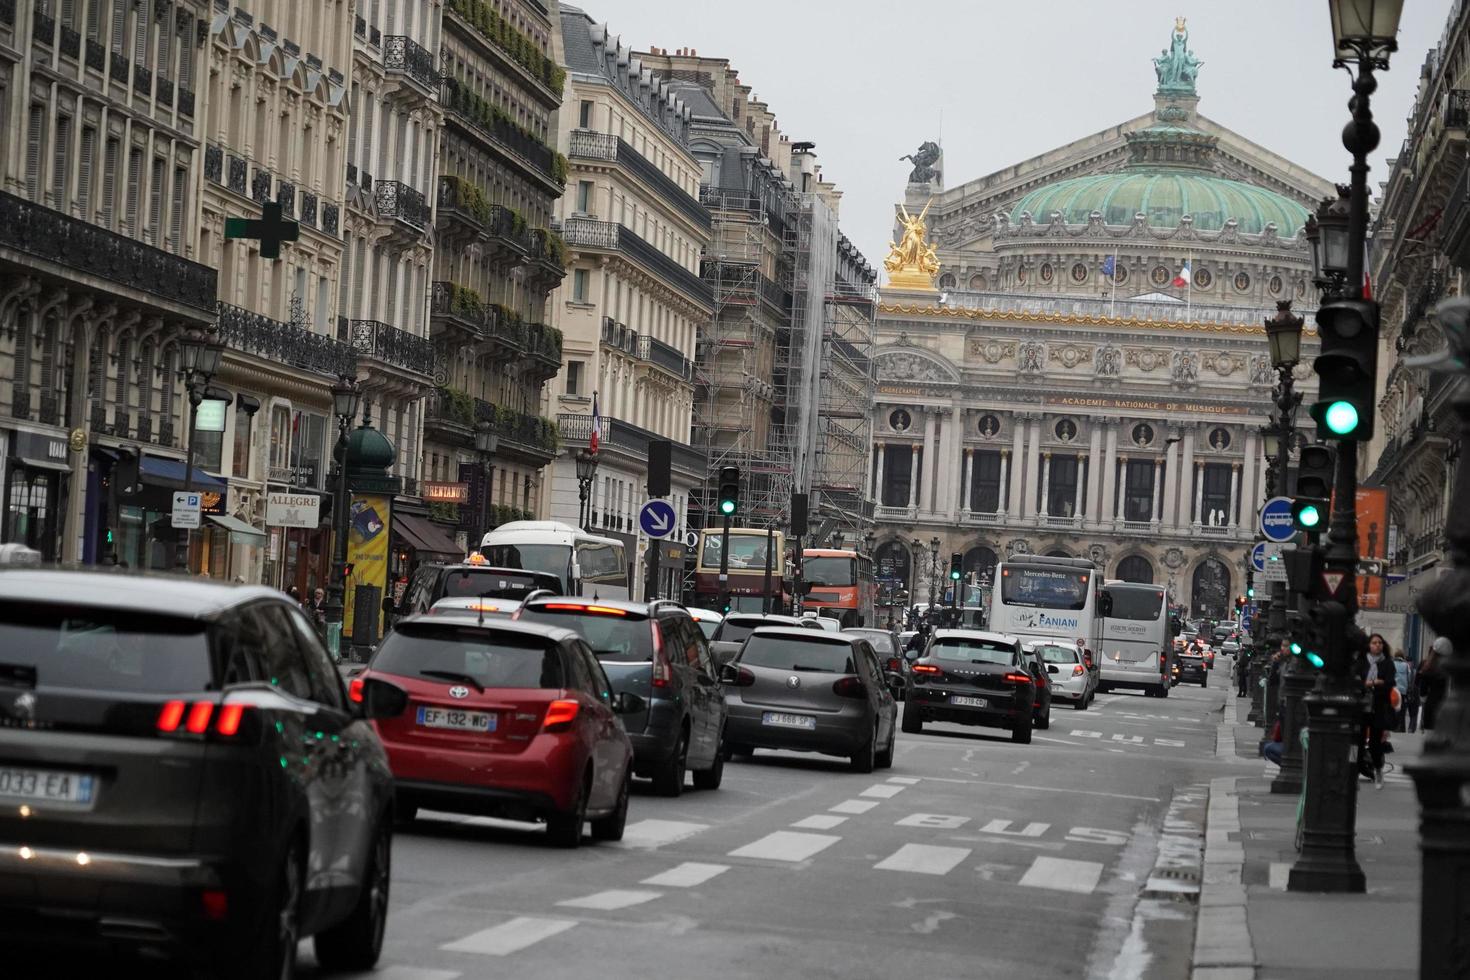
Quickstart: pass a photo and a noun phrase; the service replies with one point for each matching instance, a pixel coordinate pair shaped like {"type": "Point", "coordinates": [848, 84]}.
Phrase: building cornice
{"type": "Point", "coordinates": [942, 313]}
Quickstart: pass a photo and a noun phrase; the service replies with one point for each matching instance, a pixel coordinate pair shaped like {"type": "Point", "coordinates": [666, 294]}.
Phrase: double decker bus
{"type": "Point", "coordinates": [749, 549]}
{"type": "Point", "coordinates": [842, 585]}
{"type": "Point", "coordinates": [1036, 597]}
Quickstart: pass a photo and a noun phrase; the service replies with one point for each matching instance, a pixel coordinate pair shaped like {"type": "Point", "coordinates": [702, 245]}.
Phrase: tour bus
{"type": "Point", "coordinates": [586, 564]}
{"type": "Point", "coordinates": [749, 548]}
{"type": "Point", "coordinates": [841, 585]}
{"type": "Point", "coordinates": [1037, 597]}
{"type": "Point", "coordinates": [1137, 638]}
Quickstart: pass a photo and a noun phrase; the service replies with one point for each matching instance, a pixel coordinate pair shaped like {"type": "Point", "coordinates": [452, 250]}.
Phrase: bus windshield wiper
{"type": "Point", "coordinates": [451, 675]}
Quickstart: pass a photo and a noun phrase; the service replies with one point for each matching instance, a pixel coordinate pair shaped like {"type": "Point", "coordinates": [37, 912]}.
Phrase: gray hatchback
{"type": "Point", "coordinates": [810, 691]}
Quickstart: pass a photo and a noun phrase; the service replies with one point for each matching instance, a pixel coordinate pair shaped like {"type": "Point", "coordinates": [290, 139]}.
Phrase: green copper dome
{"type": "Point", "coordinates": [1164, 196]}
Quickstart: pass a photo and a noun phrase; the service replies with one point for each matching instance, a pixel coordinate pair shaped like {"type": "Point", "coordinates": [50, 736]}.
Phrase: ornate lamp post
{"type": "Point", "coordinates": [345, 398]}
{"type": "Point", "coordinates": [586, 473]}
{"type": "Point", "coordinates": [1364, 34]}
{"type": "Point", "coordinates": [486, 444]}
{"type": "Point", "coordinates": [933, 572]}
{"type": "Point", "coordinates": [199, 356]}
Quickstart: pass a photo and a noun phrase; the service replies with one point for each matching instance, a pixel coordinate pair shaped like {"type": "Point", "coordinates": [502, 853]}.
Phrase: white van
{"type": "Point", "coordinates": [585, 563]}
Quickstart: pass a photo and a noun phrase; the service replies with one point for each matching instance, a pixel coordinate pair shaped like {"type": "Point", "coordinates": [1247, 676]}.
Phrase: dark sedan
{"type": "Point", "coordinates": [1190, 666]}
{"type": "Point", "coordinates": [971, 677]}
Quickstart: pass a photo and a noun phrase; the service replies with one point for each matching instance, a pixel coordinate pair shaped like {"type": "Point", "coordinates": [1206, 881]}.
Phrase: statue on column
{"type": "Point", "coordinates": [1177, 67]}
{"type": "Point", "coordinates": [926, 163]}
{"type": "Point", "coordinates": [912, 262]}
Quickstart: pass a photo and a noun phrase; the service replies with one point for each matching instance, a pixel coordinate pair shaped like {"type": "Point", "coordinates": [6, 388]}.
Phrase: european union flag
{"type": "Point", "coordinates": [1108, 265]}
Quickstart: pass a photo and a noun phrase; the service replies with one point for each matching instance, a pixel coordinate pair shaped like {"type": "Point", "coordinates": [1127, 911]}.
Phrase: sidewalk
{"type": "Point", "coordinates": [1249, 851]}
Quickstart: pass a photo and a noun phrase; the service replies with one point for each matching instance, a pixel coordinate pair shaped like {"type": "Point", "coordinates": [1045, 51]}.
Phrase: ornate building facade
{"type": "Point", "coordinates": [1089, 377]}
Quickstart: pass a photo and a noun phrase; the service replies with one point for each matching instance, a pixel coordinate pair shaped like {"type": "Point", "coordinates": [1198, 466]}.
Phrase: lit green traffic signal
{"type": "Point", "coordinates": [1315, 660]}
{"type": "Point", "coordinates": [1346, 369]}
{"type": "Point", "coordinates": [1296, 649]}
{"type": "Point", "coordinates": [1341, 418]}
{"type": "Point", "coordinates": [1309, 516]}
{"type": "Point", "coordinates": [729, 498]}
{"type": "Point", "coordinates": [1315, 471]}
{"type": "Point", "coordinates": [727, 507]}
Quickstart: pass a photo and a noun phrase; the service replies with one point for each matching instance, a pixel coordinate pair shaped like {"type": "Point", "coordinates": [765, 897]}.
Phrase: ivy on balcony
{"type": "Point", "coordinates": [522, 50]}
{"type": "Point", "coordinates": [468, 196]}
{"type": "Point", "coordinates": [464, 301]}
{"type": "Point", "coordinates": [457, 405]}
{"type": "Point", "coordinates": [553, 247]}
{"type": "Point", "coordinates": [544, 341]}
{"type": "Point", "coordinates": [459, 97]}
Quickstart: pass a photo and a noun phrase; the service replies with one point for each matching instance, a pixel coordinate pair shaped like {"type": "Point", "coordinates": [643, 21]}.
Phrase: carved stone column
{"type": "Point", "coordinates": [1045, 508]}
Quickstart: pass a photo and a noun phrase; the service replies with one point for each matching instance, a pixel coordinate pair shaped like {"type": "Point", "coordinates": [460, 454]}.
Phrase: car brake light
{"type": "Point", "coordinates": [926, 669]}
{"type": "Point", "coordinates": [894, 664]}
{"type": "Point", "coordinates": [850, 687]}
{"type": "Point", "coordinates": [199, 714]}
{"type": "Point", "coordinates": [743, 678]}
{"type": "Point", "coordinates": [662, 673]}
{"type": "Point", "coordinates": [1016, 677]}
{"type": "Point", "coordinates": [216, 904]}
{"type": "Point", "coordinates": [354, 690]}
{"type": "Point", "coordinates": [560, 715]}
{"type": "Point", "coordinates": [582, 607]}
{"type": "Point", "coordinates": [228, 722]}
{"type": "Point", "coordinates": [176, 717]}
{"type": "Point", "coordinates": [1077, 670]}
{"type": "Point", "coordinates": [170, 715]}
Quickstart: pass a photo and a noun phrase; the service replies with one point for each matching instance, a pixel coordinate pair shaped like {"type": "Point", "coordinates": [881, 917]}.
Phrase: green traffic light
{"type": "Point", "coordinates": [1296, 649]}
{"type": "Point", "coordinates": [1314, 659]}
{"type": "Point", "coordinates": [1309, 516]}
{"type": "Point", "coordinates": [727, 507]}
{"type": "Point", "coordinates": [1341, 418]}
{"type": "Point", "coordinates": [1250, 593]}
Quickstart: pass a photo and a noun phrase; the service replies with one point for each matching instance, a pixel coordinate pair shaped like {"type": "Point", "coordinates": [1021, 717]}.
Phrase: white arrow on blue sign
{"type": "Point", "coordinates": [1258, 556]}
{"type": "Point", "coordinates": [657, 518]}
{"type": "Point", "coordinates": [1276, 523]}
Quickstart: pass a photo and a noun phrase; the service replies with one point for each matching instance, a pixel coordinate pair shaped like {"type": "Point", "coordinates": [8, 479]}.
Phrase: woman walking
{"type": "Point", "coordinates": [1433, 682]}
{"type": "Point", "coordinates": [1378, 680]}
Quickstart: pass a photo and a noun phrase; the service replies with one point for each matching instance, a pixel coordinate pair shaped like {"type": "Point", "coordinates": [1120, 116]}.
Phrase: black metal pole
{"type": "Point", "coordinates": [485, 495]}
{"type": "Point", "coordinates": [766, 587]}
{"type": "Point", "coordinates": [337, 582]}
{"type": "Point", "coordinates": [1296, 680]}
{"type": "Point", "coordinates": [196, 395]}
{"type": "Point", "coordinates": [1328, 862]}
{"type": "Point", "coordinates": [725, 563]}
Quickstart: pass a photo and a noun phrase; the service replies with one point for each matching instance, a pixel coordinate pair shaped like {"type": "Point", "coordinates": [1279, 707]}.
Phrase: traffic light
{"type": "Point", "coordinates": [1346, 369]}
{"type": "Point", "coordinates": [126, 482]}
{"type": "Point", "coordinates": [729, 490]}
{"type": "Point", "coordinates": [1316, 465]}
{"type": "Point", "coordinates": [1250, 592]}
{"type": "Point", "coordinates": [954, 567]}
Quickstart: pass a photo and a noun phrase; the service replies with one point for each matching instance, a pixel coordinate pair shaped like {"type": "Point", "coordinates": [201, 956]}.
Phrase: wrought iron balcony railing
{"type": "Point", "coordinates": [666, 356]}
{"type": "Point", "coordinates": [398, 200]}
{"type": "Point", "coordinates": [374, 338]}
{"type": "Point", "coordinates": [609, 235]}
{"type": "Point", "coordinates": [577, 428]}
{"type": "Point", "coordinates": [591, 145]}
{"type": "Point", "coordinates": [485, 118]}
{"type": "Point", "coordinates": [284, 343]}
{"type": "Point", "coordinates": [404, 54]}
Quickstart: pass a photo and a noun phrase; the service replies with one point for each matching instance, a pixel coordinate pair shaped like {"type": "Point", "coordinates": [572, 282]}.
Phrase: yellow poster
{"type": "Point", "coordinates": [367, 552]}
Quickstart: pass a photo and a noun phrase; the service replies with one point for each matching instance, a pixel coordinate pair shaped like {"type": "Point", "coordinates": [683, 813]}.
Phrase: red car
{"type": "Point", "coordinates": [506, 720]}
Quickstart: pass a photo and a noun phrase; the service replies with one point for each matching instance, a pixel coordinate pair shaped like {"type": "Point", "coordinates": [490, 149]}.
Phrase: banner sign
{"type": "Point", "coordinates": [293, 510]}
{"type": "Point", "coordinates": [446, 493]}
{"type": "Point", "coordinates": [367, 550]}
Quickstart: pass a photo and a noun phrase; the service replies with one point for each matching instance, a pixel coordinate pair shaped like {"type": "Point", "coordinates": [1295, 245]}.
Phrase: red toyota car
{"type": "Point", "coordinates": [505, 720]}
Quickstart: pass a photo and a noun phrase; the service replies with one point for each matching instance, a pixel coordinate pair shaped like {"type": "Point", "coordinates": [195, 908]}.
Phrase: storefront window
{"type": "Point", "coordinates": [243, 420]}
{"type": "Point", "coordinates": [208, 450]}
{"type": "Point", "coordinates": [31, 520]}
{"type": "Point", "coordinates": [280, 441]}
{"type": "Point", "coordinates": [308, 451]}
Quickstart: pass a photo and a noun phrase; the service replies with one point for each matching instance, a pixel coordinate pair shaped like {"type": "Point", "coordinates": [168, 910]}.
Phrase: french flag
{"type": "Point", "coordinates": [1181, 278]}
{"type": "Point", "coordinates": [595, 438]}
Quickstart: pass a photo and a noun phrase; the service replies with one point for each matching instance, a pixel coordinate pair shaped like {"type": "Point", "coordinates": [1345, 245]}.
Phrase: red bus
{"type": "Point", "coordinates": [747, 571]}
{"type": "Point", "coordinates": [842, 585]}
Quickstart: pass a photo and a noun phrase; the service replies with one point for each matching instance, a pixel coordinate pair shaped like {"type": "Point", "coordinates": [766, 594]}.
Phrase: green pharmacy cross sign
{"type": "Point", "coordinates": [270, 230]}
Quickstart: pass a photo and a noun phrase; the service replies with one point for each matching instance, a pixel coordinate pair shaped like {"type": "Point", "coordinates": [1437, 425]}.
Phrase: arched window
{"type": "Point", "coordinates": [1136, 568]}
{"type": "Point", "coordinates": [892, 564]}
{"type": "Point", "coordinates": [1210, 589]}
{"type": "Point", "coordinates": [946, 281]}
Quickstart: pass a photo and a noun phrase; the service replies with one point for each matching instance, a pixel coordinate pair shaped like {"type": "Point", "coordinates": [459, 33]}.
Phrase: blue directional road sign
{"type": "Point", "coordinates": [1276, 522]}
{"type": "Point", "coordinates": [657, 518]}
{"type": "Point", "coordinates": [1258, 556]}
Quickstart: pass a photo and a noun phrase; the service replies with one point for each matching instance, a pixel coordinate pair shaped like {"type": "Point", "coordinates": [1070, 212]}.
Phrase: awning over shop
{"type": "Point", "coordinates": [422, 536]}
{"type": "Point", "coordinates": [240, 532]}
{"type": "Point", "coordinates": [170, 473]}
{"type": "Point", "coordinates": [45, 464]}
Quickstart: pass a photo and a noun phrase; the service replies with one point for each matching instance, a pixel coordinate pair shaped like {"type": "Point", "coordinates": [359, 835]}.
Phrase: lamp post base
{"type": "Point", "coordinates": [1258, 658]}
{"type": "Point", "coordinates": [1329, 804]}
{"type": "Point", "coordinates": [1296, 682]}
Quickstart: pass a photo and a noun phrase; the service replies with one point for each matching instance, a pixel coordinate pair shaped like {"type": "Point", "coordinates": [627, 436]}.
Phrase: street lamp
{"type": "Point", "coordinates": [345, 398]}
{"type": "Point", "coordinates": [586, 473]}
{"type": "Point", "coordinates": [933, 571]}
{"type": "Point", "coordinates": [486, 444]}
{"type": "Point", "coordinates": [199, 356]}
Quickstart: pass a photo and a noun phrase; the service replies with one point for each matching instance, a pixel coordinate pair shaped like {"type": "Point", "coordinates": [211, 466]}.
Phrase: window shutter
{"type": "Point", "coordinates": [84, 173]}
{"type": "Point", "coordinates": [69, 13]}
{"type": "Point", "coordinates": [36, 132]}
{"type": "Point", "coordinates": [186, 60]}
{"type": "Point", "coordinates": [155, 201]}
{"type": "Point", "coordinates": [135, 177]}
{"type": "Point", "coordinates": [140, 33]}
{"type": "Point", "coordinates": [109, 181]}
{"type": "Point", "coordinates": [119, 25]}
{"type": "Point", "coordinates": [94, 19]}
{"type": "Point", "coordinates": [60, 160]}
{"type": "Point", "coordinates": [120, 383]}
{"type": "Point", "coordinates": [176, 211]}
{"type": "Point", "coordinates": [165, 46]}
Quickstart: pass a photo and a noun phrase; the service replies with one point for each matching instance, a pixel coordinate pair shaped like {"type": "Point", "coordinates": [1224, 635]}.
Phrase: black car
{"type": "Point", "coordinates": [183, 772]}
{"type": "Point", "coordinates": [885, 645]}
{"type": "Point", "coordinates": [1036, 666]}
{"type": "Point", "coordinates": [656, 651]}
{"type": "Point", "coordinates": [1189, 665]}
{"type": "Point", "coordinates": [433, 582]}
{"type": "Point", "coordinates": [735, 627]}
{"type": "Point", "coordinates": [971, 677]}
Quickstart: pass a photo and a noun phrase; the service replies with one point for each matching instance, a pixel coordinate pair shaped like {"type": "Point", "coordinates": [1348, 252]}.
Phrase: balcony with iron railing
{"type": "Point", "coordinates": [576, 429]}
{"type": "Point", "coordinates": [404, 206]}
{"type": "Point", "coordinates": [389, 344]}
{"type": "Point", "coordinates": [461, 309]}
{"type": "Point", "coordinates": [405, 57]}
{"type": "Point", "coordinates": [666, 356]}
{"type": "Point", "coordinates": [543, 351]}
{"type": "Point", "coordinates": [491, 123]}
{"type": "Point", "coordinates": [455, 414]}
{"type": "Point", "coordinates": [588, 144]}
{"type": "Point", "coordinates": [284, 343]}
{"type": "Point", "coordinates": [1455, 221]}
{"type": "Point", "coordinates": [610, 236]}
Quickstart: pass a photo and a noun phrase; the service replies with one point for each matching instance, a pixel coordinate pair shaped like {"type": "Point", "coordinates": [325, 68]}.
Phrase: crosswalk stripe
{"type": "Point", "coordinates": [687, 875]}
{"type": "Point", "coordinates": [1060, 874]}
{"type": "Point", "coordinates": [509, 937]}
{"type": "Point", "coordinates": [903, 780]}
{"type": "Point", "coordinates": [785, 845]}
{"type": "Point", "coordinates": [613, 898]}
{"type": "Point", "coordinates": [820, 821]}
{"type": "Point", "coordinates": [882, 790]}
{"type": "Point", "coordinates": [414, 973]}
{"type": "Point", "coordinates": [852, 806]}
{"type": "Point", "coordinates": [924, 859]}
{"type": "Point", "coordinates": [657, 833]}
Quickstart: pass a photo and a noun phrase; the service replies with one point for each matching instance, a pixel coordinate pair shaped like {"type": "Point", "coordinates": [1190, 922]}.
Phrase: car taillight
{"type": "Point", "coordinates": [1017, 678]}
{"type": "Point", "coordinates": [926, 669]}
{"type": "Point", "coordinates": [743, 678]}
{"type": "Point", "coordinates": [216, 904]}
{"type": "Point", "coordinates": [560, 715]}
{"type": "Point", "coordinates": [895, 664]}
{"type": "Point", "coordinates": [1078, 670]}
{"type": "Point", "coordinates": [354, 690]}
{"type": "Point", "coordinates": [662, 673]}
{"type": "Point", "coordinates": [179, 718]}
{"type": "Point", "coordinates": [850, 687]}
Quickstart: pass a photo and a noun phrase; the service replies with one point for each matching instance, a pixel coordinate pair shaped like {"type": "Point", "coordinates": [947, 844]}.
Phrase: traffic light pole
{"type": "Point", "coordinates": [725, 564]}
{"type": "Point", "coordinates": [1295, 679]}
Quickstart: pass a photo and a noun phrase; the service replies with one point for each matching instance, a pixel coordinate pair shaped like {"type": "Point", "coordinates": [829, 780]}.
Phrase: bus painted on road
{"type": "Point", "coordinates": [1037, 597]}
{"type": "Point", "coordinates": [842, 585]}
{"type": "Point", "coordinates": [747, 570]}
{"type": "Point", "coordinates": [1137, 638]}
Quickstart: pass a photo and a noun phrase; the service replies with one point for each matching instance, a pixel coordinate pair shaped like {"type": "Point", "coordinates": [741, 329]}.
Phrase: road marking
{"type": "Point", "coordinates": [882, 791]}
{"type": "Point", "coordinates": [821, 821]}
{"type": "Point", "coordinates": [924, 859]}
{"type": "Point", "coordinates": [509, 937]}
{"type": "Point", "coordinates": [1280, 872]}
{"type": "Point", "coordinates": [1038, 789]}
{"type": "Point", "coordinates": [1058, 741]}
{"type": "Point", "coordinates": [1129, 739]}
{"type": "Point", "coordinates": [613, 898]}
{"type": "Point", "coordinates": [784, 845]}
{"type": "Point", "coordinates": [1169, 743]}
{"type": "Point", "coordinates": [656, 833]}
{"type": "Point", "coordinates": [687, 875]}
{"type": "Point", "coordinates": [1003, 828]}
{"type": "Point", "coordinates": [852, 806]}
{"type": "Point", "coordinates": [415, 973]}
{"type": "Point", "coordinates": [903, 780]}
{"type": "Point", "coordinates": [1060, 874]}
{"type": "Point", "coordinates": [934, 821]}
{"type": "Point", "coordinates": [1084, 733]}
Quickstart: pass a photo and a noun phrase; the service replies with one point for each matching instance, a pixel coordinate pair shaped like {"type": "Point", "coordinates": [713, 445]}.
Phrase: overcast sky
{"type": "Point", "coordinates": [868, 81]}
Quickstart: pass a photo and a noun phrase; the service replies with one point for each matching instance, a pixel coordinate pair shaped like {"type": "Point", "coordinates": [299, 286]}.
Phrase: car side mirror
{"type": "Point", "coordinates": [1053, 669]}
{"type": "Point", "coordinates": [729, 673]}
{"type": "Point", "coordinates": [380, 699]}
{"type": "Point", "coordinates": [911, 655]}
{"type": "Point", "coordinates": [628, 703]}
{"type": "Point", "coordinates": [895, 685]}
{"type": "Point", "coordinates": [1104, 605]}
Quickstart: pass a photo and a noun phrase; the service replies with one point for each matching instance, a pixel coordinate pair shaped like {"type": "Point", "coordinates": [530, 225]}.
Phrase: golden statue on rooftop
{"type": "Point", "coordinates": [911, 262]}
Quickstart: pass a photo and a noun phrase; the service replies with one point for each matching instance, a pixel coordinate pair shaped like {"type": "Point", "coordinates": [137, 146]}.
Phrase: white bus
{"type": "Point", "coordinates": [1137, 638]}
{"type": "Point", "coordinates": [1040, 598]}
{"type": "Point", "coordinates": [585, 563]}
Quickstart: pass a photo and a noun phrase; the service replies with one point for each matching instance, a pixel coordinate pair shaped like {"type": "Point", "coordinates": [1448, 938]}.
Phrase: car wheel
{"type": "Point", "coordinates": [610, 827]}
{"type": "Point", "coordinates": [271, 953]}
{"type": "Point", "coordinates": [913, 724]}
{"type": "Point", "coordinates": [1021, 734]}
{"type": "Point", "coordinates": [734, 750]}
{"type": "Point", "coordinates": [355, 942]}
{"type": "Point", "coordinates": [669, 781]}
{"type": "Point", "coordinates": [884, 759]}
{"type": "Point", "coordinates": [1081, 703]}
{"type": "Point", "coordinates": [712, 777]}
{"type": "Point", "coordinates": [1163, 690]}
{"type": "Point", "coordinates": [404, 812]}
{"type": "Point", "coordinates": [565, 829]}
{"type": "Point", "coordinates": [862, 761]}
{"type": "Point", "coordinates": [1044, 722]}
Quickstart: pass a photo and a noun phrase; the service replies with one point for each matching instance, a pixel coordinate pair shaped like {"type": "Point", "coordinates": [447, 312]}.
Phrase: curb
{"type": "Point", "coordinates": [1222, 939]}
{"type": "Point", "coordinates": [1225, 731]}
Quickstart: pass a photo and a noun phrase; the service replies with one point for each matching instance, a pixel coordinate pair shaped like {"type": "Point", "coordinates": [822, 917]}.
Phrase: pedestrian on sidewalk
{"type": "Point", "coordinates": [1241, 672]}
{"type": "Point", "coordinates": [1433, 683]}
{"type": "Point", "coordinates": [1378, 680]}
{"type": "Point", "coordinates": [1404, 682]}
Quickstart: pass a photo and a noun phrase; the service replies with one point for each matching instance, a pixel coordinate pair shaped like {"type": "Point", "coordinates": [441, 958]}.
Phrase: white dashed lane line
{"type": "Point", "coordinates": [649, 834]}
{"type": "Point", "coordinates": [853, 806]}
{"type": "Point", "coordinates": [923, 859]}
{"type": "Point", "coordinates": [614, 898]}
{"type": "Point", "coordinates": [882, 791]}
{"type": "Point", "coordinates": [510, 937]}
{"type": "Point", "coordinates": [687, 875]}
{"type": "Point", "coordinates": [786, 845]}
{"type": "Point", "coordinates": [1060, 874]}
{"type": "Point", "coordinates": [821, 821]}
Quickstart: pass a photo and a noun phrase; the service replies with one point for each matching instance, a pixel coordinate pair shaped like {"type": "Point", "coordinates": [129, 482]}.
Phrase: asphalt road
{"type": "Point", "coordinates": [1074, 856]}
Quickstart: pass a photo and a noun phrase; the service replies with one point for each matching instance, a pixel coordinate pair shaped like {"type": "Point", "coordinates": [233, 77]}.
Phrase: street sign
{"type": "Point", "coordinates": [1258, 556]}
{"type": "Point", "coordinates": [691, 539]}
{"type": "Point", "coordinates": [1275, 519]}
{"type": "Point", "coordinates": [1370, 567]}
{"type": "Point", "coordinates": [1275, 570]}
{"type": "Point", "coordinates": [657, 518]}
{"type": "Point", "coordinates": [186, 510]}
{"type": "Point", "coordinates": [271, 229]}
{"type": "Point", "coordinates": [1333, 581]}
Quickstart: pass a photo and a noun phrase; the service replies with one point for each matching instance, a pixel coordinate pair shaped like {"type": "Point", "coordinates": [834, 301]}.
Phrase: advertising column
{"type": "Point", "coordinates": [367, 553]}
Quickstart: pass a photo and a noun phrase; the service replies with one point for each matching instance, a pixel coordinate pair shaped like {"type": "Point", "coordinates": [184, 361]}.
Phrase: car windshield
{"type": "Point", "coordinates": [1059, 654]}
{"type": "Point", "coordinates": [102, 649]}
{"type": "Point", "coordinates": [829, 570]}
{"type": "Point", "coordinates": [613, 636]}
{"type": "Point", "coordinates": [707, 627]}
{"type": "Point", "coordinates": [882, 641]}
{"type": "Point", "coordinates": [554, 559]}
{"type": "Point", "coordinates": [490, 658]}
{"type": "Point", "coordinates": [465, 582]}
{"type": "Point", "coordinates": [973, 650]}
{"type": "Point", "coordinates": [798, 654]}
{"type": "Point", "coordinates": [1045, 588]}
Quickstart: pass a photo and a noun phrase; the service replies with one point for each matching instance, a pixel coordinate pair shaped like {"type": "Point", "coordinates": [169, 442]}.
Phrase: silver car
{"type": "Point", "coordinates": [810, 691]}
{"type": "Point", "coordinates": [1070, 678]}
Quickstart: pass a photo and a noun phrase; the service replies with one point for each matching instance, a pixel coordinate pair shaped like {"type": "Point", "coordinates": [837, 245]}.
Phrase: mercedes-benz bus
{"type": "Point", "coordinates": [1037, 597]}
{"type": "Point", "coordinates": [1137, 638]}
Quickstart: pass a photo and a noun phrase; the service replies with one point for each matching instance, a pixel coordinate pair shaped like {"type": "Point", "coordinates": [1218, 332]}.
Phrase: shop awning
{"type": "Point", "coordinates": [422, 536]}
{"type": "Point", "coordinates": [240, 532]}
{"type": "Point", "coordinates": [45, 464]}
{"type": "Point", "coordinates": [170, 473]}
